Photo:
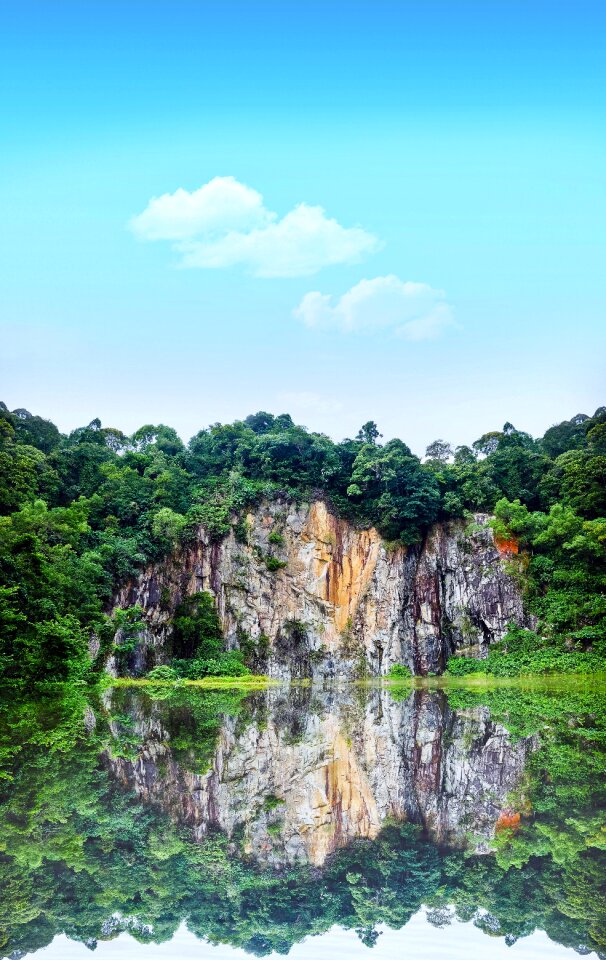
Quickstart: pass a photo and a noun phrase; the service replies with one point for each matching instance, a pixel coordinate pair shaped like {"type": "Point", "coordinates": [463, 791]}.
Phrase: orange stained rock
{"type": "Point", "coordinates": [506, 547]}
{"type": "Point", "coordinates": [508, 820]}
{"type": "Point", "coordinates": [343, 804]}
{"type": "Point", "coordinates": [344, 561]}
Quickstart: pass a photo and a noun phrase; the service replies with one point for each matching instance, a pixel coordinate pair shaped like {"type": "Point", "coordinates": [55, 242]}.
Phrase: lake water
{"type": "Point", "coordinates": [176, 823]}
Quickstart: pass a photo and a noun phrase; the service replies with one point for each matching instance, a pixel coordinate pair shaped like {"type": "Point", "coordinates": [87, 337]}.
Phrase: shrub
{"type": "Point", "coordinates": [398, 671]}
{"type": "Point", "coordinates": [463, 666]}
{"type": "Point", "coordinates": [168, 525]}
{"type": "Point", "coordinates": [229, 664]}
{"type": "Point", "coordinates": [242, 530]}
{"type": "Point", "coordinates": [163, 673]}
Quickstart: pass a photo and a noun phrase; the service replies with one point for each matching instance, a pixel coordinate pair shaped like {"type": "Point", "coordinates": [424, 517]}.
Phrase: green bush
{"type": "Point", "coordinates": [197, 630]}
{"type": "Point", "coordinates": [163, 673]}
{"type": "Point", "coordinates": [229, 664]}
{"type": "Point", "coordinates": [464, 666]}
{"type": "Point", "coordinates": [524, 652]}
{"type": "Point", "coordinates": [398, 671]}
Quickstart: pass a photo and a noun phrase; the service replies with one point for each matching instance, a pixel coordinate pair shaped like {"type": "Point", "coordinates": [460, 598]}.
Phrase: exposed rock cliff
{"type": "Point", "coordinates": [337, 598]}
{"type": "Point", "coordinates": [317, 772]}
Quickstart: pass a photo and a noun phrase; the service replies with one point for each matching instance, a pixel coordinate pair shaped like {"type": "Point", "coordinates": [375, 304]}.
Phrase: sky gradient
{"type": "Point", "coordinates": [466, 139]}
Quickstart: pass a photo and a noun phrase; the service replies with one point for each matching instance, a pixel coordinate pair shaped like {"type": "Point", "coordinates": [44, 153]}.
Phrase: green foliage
{"type": "Point", "coordinates": [225, 664]}
{"type": "Point", "coordinates": [197, 628]}
{"type": "Point", "coordinates": [52, 592]}
{"type": "Point", "coordinates": [163, 673]}
{"type": "Point", "coordinates": [127, 626]}
{"type": "Point", "coordinates": [525, 652]}
{"type": "Point", "coordinates": [242, 530]}
{"type": "Point", "coordinates": [564, 575]}
{"type": "Point", "coordinates": [394, 491]}
{"type": "Point", "coordinates": [81, 514]}
{"type": "Point", "coordinates": [254, 651]}
{"type": "Point", "coordinates": [465, 666]}
{"type": "Point", "coordinates": [398, 671]}
{"type": "Point", "coordinates": [197, 641]}
{"type": "Point", "coordinates": [168, 525]}
{"type": "Point", "coordinates": [564, 787]}
{"type": "Point", "coordinates": [81, 854]}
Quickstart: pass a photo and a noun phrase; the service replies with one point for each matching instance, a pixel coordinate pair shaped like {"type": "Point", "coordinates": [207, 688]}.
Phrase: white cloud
{"type": "Point", "coordinates": [225, 224]}
{"type": "Point", "coordinates": [414, 311]}
{"type": "Point", "coordinates": [310, 402]}
{"type": "Point", "coordinates": [220, 206]}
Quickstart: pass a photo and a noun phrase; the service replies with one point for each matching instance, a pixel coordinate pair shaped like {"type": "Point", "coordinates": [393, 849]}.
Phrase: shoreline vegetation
{"type": "Point", "coordinates": [445, 681]}
{"type": "Point", "coordinates": [80, 515]}
{"type": "Point", "coordinates": [248, 682]}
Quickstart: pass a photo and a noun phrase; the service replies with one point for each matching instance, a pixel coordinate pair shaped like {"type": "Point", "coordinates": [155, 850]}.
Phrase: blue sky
{"type": "Point", "coordinates": [454, 281]}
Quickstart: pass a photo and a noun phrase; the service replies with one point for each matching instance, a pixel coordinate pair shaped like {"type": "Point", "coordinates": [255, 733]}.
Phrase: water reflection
{"type": "Point", "coordinates": [310, 771]}
{"type": "Point", "coordinates": [259, 820]}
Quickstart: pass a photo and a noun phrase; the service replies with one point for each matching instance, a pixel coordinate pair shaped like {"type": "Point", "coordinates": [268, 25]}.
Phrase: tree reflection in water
{"type": "Point", "coordinates": [259, 820]}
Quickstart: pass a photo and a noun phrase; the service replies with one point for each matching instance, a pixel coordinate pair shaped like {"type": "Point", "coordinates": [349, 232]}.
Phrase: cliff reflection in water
{"type": "Point", "coordinates": [261, 819]}
{"type": "Point", "coordinates": [312, 770]}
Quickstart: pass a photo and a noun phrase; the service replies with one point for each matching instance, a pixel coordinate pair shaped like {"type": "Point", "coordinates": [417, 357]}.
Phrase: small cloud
{"type": "Point", "coordinates": [414, 311]}
{"type": "Point", "coordinates": [310, 402]}
{"type": "Point", "coordinates": [220, 206]}
{"type": "Point", "coordinates": [225, 224]}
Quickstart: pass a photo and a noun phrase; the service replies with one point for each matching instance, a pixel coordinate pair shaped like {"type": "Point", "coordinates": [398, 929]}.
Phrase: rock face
{"type": "Point", "coordinates": [317, 772]}
{"type": "Point", "coordinates": [324, 599]}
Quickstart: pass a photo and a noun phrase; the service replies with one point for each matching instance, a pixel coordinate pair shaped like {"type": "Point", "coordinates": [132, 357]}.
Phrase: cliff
{"type": "Point", "coordinates": [319, 598]}
{"type": "Point", "coordinates": [311, 772]}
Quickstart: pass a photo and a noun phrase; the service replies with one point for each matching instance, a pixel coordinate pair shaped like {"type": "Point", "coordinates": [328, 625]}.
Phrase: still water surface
{"type": "Point", "coordinates": [319, 823]}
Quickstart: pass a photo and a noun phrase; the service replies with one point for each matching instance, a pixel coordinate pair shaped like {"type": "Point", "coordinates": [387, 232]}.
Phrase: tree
{"type": "Point", "coordinates": [22, 469]}
{"type": "Point", "coordinates": [440, 451]}
{"type": "Point", "coordinates": [569, 435]}
{"type": "Point", "coordinates": [596, 439]}
{"type": "Point", "coordinates": [401, 497]}
{"type": "Point", "coordinates": [260, 422]}
{"type": "Point", "coordinates": [53, 592]}
{"type": "Point", "coordinates": [160, 437]}
{"type": "Point", "coordinates": [168, 525]}
{"type": "Point", "coordinates": [368, 433]}
{"type": "Point", "coordinates": [583, 483]}
{"type": "Point", "coordinates": [465, 455]}
{"type": "Point", "coordinates": [115, 439]}
{"type": "Point", "coordinates": [487, 443]}
{"type": "Point", "coordinates": [34, 431]}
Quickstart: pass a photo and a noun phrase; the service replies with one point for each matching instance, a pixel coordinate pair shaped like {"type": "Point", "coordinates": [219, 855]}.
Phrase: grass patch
{"type": "Point", "coordinates": [251, 681]}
